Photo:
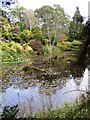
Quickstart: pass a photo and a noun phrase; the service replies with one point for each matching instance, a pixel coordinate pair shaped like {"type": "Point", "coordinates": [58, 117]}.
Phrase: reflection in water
{"type": "Point", "coordinates": [84, 83]}
{"type": "Point", "coordinates": [33, 86]}
{"type": "Point", "coordinates": [13, 95]}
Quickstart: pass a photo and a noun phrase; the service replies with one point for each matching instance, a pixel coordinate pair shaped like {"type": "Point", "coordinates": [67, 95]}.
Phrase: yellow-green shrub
{"type": "Point", "coordinates": [64, 45]}
{"type": "Point", "coordinates": [27, 48]}
{"type": "Point", "coordinates": [76, 43]}
{"type": "Point", "coordinates": [69, 45]}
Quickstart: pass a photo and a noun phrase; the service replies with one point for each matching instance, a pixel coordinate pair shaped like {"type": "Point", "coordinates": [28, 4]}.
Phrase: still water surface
{"type": "Point", "coordinates": [34, 88]}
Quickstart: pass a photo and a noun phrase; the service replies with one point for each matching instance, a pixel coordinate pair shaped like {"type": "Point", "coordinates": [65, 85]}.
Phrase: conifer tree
{"type": "Point", "coordinates": [76, 26]}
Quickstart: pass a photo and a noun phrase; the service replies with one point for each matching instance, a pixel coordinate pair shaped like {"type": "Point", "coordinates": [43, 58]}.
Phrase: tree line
{"type": "Point", "coordinates": [47, 24]}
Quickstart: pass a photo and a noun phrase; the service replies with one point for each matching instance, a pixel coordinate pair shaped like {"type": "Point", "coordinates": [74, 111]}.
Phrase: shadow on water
{"type": "Point", "coordinates": [35, 84]}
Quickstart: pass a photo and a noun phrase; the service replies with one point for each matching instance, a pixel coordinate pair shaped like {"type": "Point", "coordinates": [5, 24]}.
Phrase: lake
{"type": "Point", "coordinates": [43, 82]}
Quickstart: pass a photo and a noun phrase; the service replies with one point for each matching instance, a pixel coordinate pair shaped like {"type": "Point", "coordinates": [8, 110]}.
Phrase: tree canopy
{"type": "Point", "coordinates": [76, 26]}
{"type": "Point", "coordinates": [77, 16]}
{"type": "Point", "coordinates": [53, 20]}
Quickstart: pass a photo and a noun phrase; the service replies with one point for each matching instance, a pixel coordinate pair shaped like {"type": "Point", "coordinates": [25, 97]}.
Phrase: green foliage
{"type": "Point", "coordinates": [77, 16]}
{"type": "Point", "coordinates": [45, 42]}
{"type": "Point", "coordinates": [17, 13]}
{"type": "Point", "coordinates": [69, 46]}
{"type": "Point", "coordinates": [64, 45]}
{"type": "Point", "coordinates": [77, 110]}
{"type": "Point", "coordinates": [15, 37]}
{"type": "Point", "coordinates": [9, 113]}
{"type": "Point", "coordinates": [27, 48]}
{"type": "Point", "coordinates": [0, 35]}
{"type": "Point", "coordinates": [11, 51]}
{"type": "Point", "coordinates": [3, 21]}
{"type": "Point", "coordinates": [36, 46]}
{"type": "Point", "coordinates": [76, 27]}
{"type": "Point", "coordinates": [53, 20]}
{"type": "Point", "coordinates": [26, 35]}
{"type": "Point", "coordinates": [38, 36]}
{"type": "Point", "coordinates": [9, 31]}
{"type": "Point", "coordinates": [21, 25]}
{"type": "Point", "coordinates": [16, 47]}
{"type": "Point", "coordinates": [37, 33]}
{"type": "Point", "coordinates": [5, 32]}
{"type": "Point", "coordinates": [36, 29]}
{"type": "Point", "coordinates": [63, 37]}
{"type": "Point", "coordinates": [46, 49]}
{"type": "Point", "coordinates": [75, 31]}
{"type": "Point", "coordinates": [76, 43]}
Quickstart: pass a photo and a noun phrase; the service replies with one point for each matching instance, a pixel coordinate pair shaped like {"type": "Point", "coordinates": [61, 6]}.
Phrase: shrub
{"type": "Point", "coordinates": [36, 46]}
{"type": "Point", "coordinates": [36, 29]}
{"type": "Point", "coordinates": [77, 111]}
{"type": "Point", "coordinates": [64, 45]}
{"type": "Point", "coordinates": [3, 21]}
{"type": "Point", "coordinates": [11, 51]}
{"type": "Point", "coordinates": [9, 113]}
{"type": "Point", "coordinates": [21, 25]}
{"type": "Point", "coordinates": [16, 47]}
{"type": "Point", "coordinates": [0, 35]}
{"type": "Point", "coordinates": [68, 46]}
{"type": "Point", "coordinates": [38, 36]}
{"type": "Point", "coordinates": [45, 41]}
{"type": "Point", "coordinates": [27, 48]}
{"type": "Point", "coordinates": [14, 30]}
{"type": "Point", "coordinates": [76, 43]}
{"type": "Point", "coordinates": [26, 35]}
{"type": "Point", "coordinates": [5, 32]}
{"type": "Point", "coordinates": [46, 49]}
{"type": "Point", "coordinates": [15, 37]}
{"type": "Point", "coordinates": [4, 46]}
{"type": "Point", "coordinates": [63, 37]}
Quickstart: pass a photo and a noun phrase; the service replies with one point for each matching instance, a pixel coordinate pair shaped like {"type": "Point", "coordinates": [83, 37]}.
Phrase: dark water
{"type": "Point", "coordinates": [41, 83]}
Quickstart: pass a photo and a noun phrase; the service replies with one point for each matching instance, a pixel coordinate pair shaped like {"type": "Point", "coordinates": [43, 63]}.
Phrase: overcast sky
{"type": "Point", "coordinates": [68, 5]}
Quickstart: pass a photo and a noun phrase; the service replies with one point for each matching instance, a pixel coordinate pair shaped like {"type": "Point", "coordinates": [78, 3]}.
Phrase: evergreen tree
{"type": "Point", "coordinates": [77, 16]}
{"type": "Point", "coordinates": [76, 26]}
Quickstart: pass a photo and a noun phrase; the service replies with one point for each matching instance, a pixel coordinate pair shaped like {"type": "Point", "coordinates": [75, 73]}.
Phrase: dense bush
{"type": "Point", "coordinates": [38, 36]}
{"type": "Point", "coordinates": [27, 48]}
{"type": "Point", "coordinates": [36, 29]}
{"type": "Point", "coordinates": [9, 113]}
{"type": "Point", "coordinates": [46, 49]}
{"type": "Point", "coordinates": [36, 46]}
{"type": "Point", "coordinates": [26, 35]}
{"type": "Point", "coordinates": [11, 51]}
{"type": "Point", "coordinates": [16, 47]}
{"type": "Point", "coordinates": [45, 41]}
{"type": "Point", "coordinates": [15, 37]}
{"type": "Point", "coordinates": [5, 32]}
{"type": "Point", "coordinates": [69, 46]}
{"type": "Point", "coordinates": [21, 25]}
